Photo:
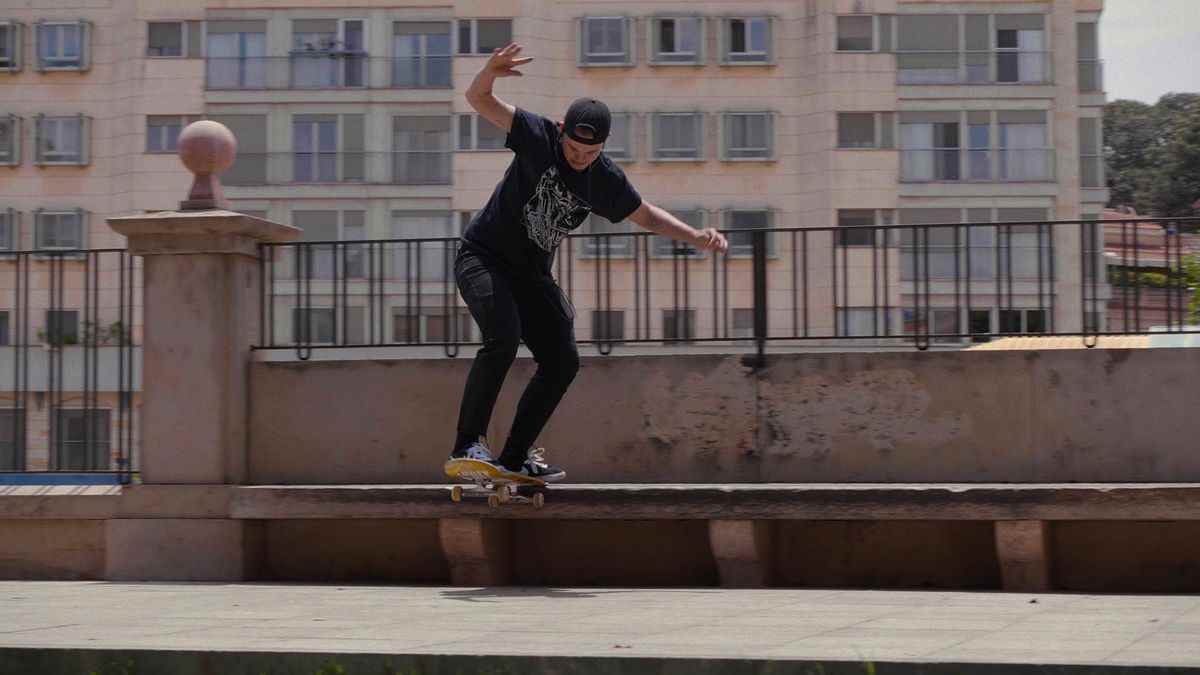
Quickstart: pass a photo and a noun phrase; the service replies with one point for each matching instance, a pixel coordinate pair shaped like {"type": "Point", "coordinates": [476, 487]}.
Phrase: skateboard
{"type": "Point", "coordinates": [501, 488]}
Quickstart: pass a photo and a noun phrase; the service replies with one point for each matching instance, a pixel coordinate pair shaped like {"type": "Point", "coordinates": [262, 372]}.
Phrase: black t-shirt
{"type": "Point", "coordinates": [541, 199]}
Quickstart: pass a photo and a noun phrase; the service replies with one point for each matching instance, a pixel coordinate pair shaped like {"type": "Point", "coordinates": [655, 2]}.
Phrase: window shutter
{"type": "Point", "coordinates": [85, 45]}
{"type": "Point", "coordinates": [14, 46]}
{"type": "Point", "coordinates": [38, 38]}
{"type": "Point", "coordinates": [85, 140]}
{"type": "Point", "coordinates": [82, 216]}
{"type": "Point", "coordinates": [630, 40]}
{"type": "Point", "coordinates": [39, 122]}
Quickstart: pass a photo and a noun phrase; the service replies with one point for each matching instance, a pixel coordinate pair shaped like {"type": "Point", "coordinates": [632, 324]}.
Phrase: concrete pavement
{"type": "Point", "coordinates": [50, 627]}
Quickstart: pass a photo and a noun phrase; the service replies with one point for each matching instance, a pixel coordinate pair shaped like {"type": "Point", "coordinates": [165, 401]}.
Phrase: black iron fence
{"type": "Point", "coordinates": [922, 285]}
{"type": "Point", "coordinates": [70, 365]}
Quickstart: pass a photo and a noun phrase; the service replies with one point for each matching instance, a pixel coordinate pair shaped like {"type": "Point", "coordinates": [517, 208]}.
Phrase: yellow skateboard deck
{"type": "Point", "coordinates": [503, 486]}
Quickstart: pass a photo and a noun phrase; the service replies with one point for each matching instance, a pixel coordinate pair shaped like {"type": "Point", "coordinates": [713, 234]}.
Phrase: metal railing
{"type": "Point", "coordinates": [974, 67]}
{"type": "Point", "coordinates": [326, 70]}
{"type": "Point", "coordinates": [412, 167]}
{"type": "Point", "coordinates": [70, 365]}
{"type": "Point", "coordinates": [861, 286]}
{"type": "Point", "coordinates": [999, 165]}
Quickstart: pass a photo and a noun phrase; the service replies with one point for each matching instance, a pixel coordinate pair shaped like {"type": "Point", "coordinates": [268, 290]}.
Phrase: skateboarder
{"type": "Point", "coordinates": [558, 176]}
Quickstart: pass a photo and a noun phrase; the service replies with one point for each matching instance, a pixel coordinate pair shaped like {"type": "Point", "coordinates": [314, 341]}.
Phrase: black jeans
{"type": "Point", "coordinates": [510, 310]}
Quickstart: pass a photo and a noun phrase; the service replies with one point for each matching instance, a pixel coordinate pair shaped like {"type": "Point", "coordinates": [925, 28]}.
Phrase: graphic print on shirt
{"type": "Point", "coordinates": [553, 211]}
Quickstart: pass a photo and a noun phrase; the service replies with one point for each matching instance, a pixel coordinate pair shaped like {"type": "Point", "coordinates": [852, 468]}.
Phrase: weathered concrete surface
{"type": "Point", "coordinates": [972, 416]}
{"type": "Point", "coordinates": [52, 549]}
{"type": "Point", "coordinates": [248, 629]}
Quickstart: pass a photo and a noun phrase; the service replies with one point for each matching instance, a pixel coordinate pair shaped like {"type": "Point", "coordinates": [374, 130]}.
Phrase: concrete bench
{"type": "Point", "coordinates": [740, 519]}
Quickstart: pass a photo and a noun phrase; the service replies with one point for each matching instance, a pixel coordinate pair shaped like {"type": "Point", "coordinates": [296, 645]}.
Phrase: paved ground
{"type": "Point", "coordinates": [781, 625]}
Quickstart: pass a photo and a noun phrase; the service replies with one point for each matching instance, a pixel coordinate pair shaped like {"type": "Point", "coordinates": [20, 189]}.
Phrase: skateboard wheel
{"type": "Point", "coordinates": [493, 501]}
{"type": "Point", "coordinates": [456, 493]}
{"type": "Point", "coordinates": [539, 500]}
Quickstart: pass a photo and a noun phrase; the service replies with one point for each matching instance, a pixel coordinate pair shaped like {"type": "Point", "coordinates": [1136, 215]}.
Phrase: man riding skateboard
{"type": "Point", "coordinates": [558, 176]}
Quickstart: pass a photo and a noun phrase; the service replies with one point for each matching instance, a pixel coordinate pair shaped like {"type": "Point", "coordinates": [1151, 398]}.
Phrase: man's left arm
{"type": "Point", "coordinates": [659, 221]}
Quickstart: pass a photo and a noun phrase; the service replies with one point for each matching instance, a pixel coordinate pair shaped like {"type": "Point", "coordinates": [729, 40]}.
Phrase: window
{"type": "Point", "coordinates": [236, 54]}
{"type": "Point", "coordinates": [861, 322]}
{"type": "Point", "coordinates": [327, 261]}
{"type": "Point", "coordinates": [250, 165]}
{"type": "Point", "coordinates": [930, 143]}
{"type": "Point", "coordinates": [619, 144]}
{"type": "Point", "coordinates": [742, 243]}
{"type": "Point", "coordinates": [82, 440]}
{"type": "Point", "coordinates": [429, 260]}
{"type": "Point", "coordinates": [431, 325]}
{"type": "Point", "coordinates": [63, 45]}
{"type": "Point", "coordinates": [1091, 161]}
{"type": "Point", "coordinates": [746, 40]}
{"type": "Point", "coordinates": [605, 41]}
{"type": "Point", "coordinates": [980, 252]}
{"type": "Point", "coordinates": [58, 230]}
{"type": "Point", "coordinates": [421, 150]}
{"type": "Point", "coordinates": [328, 148]}
{"type": "Point", "coordinates": [665, 247]}
{"type": "Point", "coordinates": [677, 136]}
{"type": "Point", "coordinates": [748, 136]}
{"type": "Point", "coordinates": [972, 49]}
{"type": "Point", "coordinates": [679, 324]}
{"type": "Point", "coordinates": [62, 140]}
{"type": "Point", "coordinates": [328, 53]}
{"type": "Point", "coordinates": [608, 325]}
{"type": "Point", "coordinates": [856, 33]}
{"type": "Point", "coordinates": [862, 218]}
{"type": "Point", "coordinates": [317, 325]}
{"type": "Point", "coordinates": [10, 141]}
{"type": "Point", "coordinates": [616, 247]}
{"type": "Point", "coordinates": [677, 40]}
{"type": "Point", "coordinates": [945, 323]}
{"type": "Point", "coordinates": [166, 38]}
{"type": "Point", "coordinates": [1022, 321]}
{"type": "Point", "coordinates": [8, 230]}
{"type": "Point", "coordinates": [866, 130]}
{"type": "Point", "coordinates": [10, 46]}
{"type": "Point", "coordinates": [421, 54]}
{"type": "Point", "coordinates": [483, 36]}
{"type": "Point", "coordinates": [61, 327]}
{"type": "Point", "coordinates": [12, 437]}
{"type": "Point", "coordinates": [979, 324]}
{"type": "Point", "coordinates": [162, 131]}
{"type": "Point", "coordinates": [743, 323]}
{"type": "Point", "coordinates": [1091, 77]}
{"type": "Point", "coordinates": [1024, 152]}
{"type": "Point", "coordinates": [1021, 56]}
{"type": "Point", "coordinates": [476, 133]}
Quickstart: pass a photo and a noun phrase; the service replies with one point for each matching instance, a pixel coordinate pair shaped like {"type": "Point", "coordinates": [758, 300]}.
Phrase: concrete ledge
{"type": "Point", "coordinates": [1155, 501]}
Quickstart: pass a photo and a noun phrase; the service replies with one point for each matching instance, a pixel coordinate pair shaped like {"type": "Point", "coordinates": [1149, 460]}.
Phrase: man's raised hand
{"type": "Point", "coordinates": [504, 61]}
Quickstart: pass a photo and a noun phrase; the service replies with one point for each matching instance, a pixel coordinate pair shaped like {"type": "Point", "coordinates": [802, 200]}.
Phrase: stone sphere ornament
{"type": "Point", "coordinates": [207, 149]}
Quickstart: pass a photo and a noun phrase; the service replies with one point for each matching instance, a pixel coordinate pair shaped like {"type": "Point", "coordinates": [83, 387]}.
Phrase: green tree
{"type": "Point", "coordinates": [1178, 187]}
{"type": "Point", "coordinates": [1152, 153]}
{"type": "Point", "coordinates": [1130, 140]}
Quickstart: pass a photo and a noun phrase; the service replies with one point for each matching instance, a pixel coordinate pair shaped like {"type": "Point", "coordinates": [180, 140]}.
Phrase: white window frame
{"type": "Point", "coordinates": [725, 57]}
{"type": "Point", "coordinates": [629, 55]}
{"type": "Point", "coordinates": [723, 132]}
{"type": "Point", "coordinates": [651, 120]}
{"type": "Point", "coordinates": [874, 34]}
{"type": "Point", "coordinates": [882, 120]}
{"type": "Point", "coordinates": [82, 159]}
{"type": "Point", "coordinates": [15, 30]}
{"type": "Point", "coordinates": [85, 32]}
{"type": "Point", "coordinates": [183, 40]}
{"type": "Point", "coordinates": [10, 229]}
{"type": "Point", "coordinates": [38, 224]}
{"type": "Point", "coordinates": [655, 55]}
{"type": "Point", "coordinates": [12, 157]}
{"type": "Point", "coordinates": [630, 155]}
{"type": "Point", "coordinates": [473, 46]}
{"type": "Point", "coordinates": [663, 248]}
{"type": "Point", "coordinates": [475, 120]}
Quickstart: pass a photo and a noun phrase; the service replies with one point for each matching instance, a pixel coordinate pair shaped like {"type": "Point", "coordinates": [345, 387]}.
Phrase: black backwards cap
{"type": "Point", "coordinates": [587, 121]}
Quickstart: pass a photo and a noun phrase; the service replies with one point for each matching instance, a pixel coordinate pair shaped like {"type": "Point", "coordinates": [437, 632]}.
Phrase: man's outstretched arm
{"type": "Point", "coordinates": [503, 63]}
{"type": "Point", "coordinates": [659, 221]}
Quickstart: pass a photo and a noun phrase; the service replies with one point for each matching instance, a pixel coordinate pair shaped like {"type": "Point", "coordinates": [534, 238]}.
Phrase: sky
{"type": "Point", "coordinates": [1150, 47]}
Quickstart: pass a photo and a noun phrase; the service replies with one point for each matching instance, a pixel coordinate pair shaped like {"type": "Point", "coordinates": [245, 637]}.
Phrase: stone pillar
{"type": "Point", "coordinates": [1023, 547]}
{"type": "Point", "coordinates": [201, 295]}
{"type": "Point", "coordinates": [479, 550]}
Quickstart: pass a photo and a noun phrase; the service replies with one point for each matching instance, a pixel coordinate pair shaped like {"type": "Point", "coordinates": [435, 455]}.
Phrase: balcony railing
{"type": "Point", "coordinates": [326, 70]}
{"type": "Point", "coordinates": [946, 283]}
{"type": "Point", "coordinates": [1091, 75]}
{"type": "Point", "coordinates": [974, 67]}
{"type": "Point", "coordinates": [955, 165]}
{"type": "Point", "coordinates": [414, 167]}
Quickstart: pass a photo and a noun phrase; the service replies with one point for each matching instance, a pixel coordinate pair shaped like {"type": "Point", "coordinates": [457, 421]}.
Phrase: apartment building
{"type": "Point", "coordinates": [352, 125]}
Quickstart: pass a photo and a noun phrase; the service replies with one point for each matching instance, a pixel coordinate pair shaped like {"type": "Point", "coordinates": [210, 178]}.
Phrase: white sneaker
{"type": "Point", "coordinates": [536, 466]}
{"type": "Point", "coordinates": [477, 450]}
